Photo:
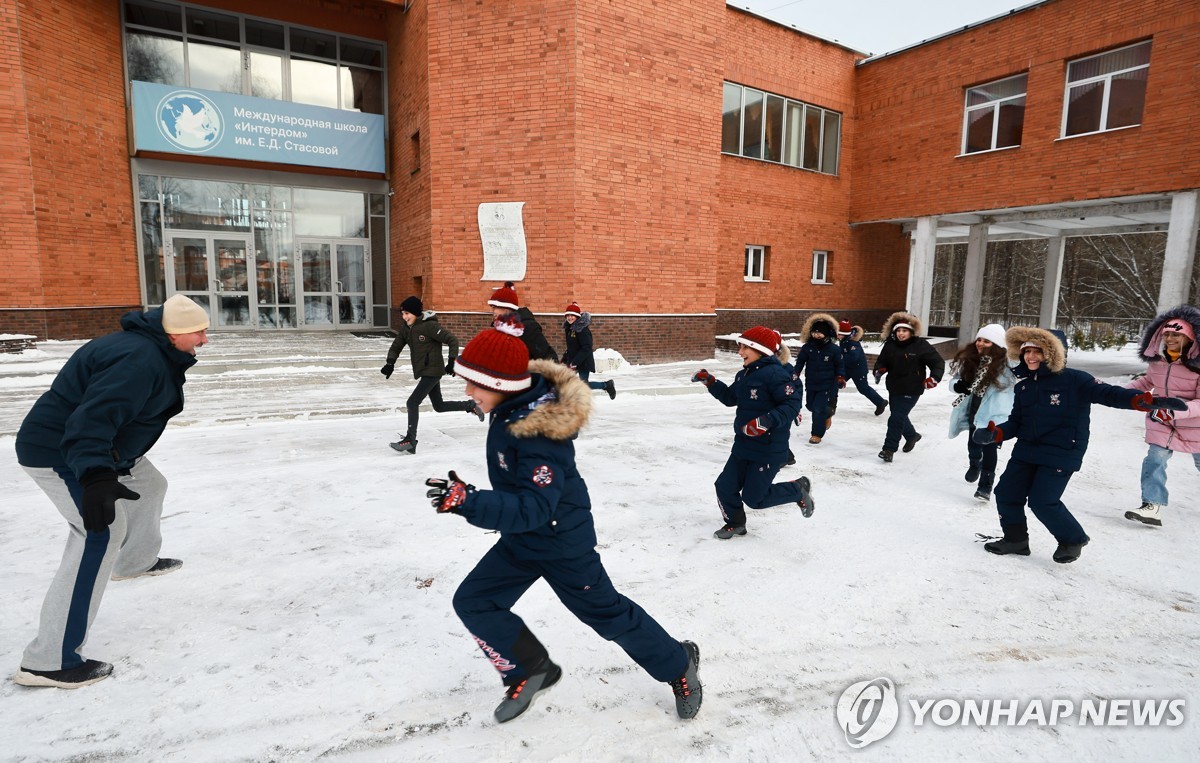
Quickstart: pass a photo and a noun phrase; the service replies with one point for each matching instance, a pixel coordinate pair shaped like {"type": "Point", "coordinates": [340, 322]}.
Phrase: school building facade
{"type": "Point", "coordinates": [680, 170]}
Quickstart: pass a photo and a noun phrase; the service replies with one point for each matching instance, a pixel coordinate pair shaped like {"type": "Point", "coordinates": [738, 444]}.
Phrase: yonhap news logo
{"type": "Point", "coordinates": [868, 711]}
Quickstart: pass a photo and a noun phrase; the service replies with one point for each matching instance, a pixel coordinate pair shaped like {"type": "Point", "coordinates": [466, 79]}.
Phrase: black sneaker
{"type": "Point", "coordinates": [689, 693]}
{"type": "Point", "coordinates": [1017, 546]}
{"type": "Point", "coordinates": [984, 495]}
{"type": "Point", "coordinates": [880, 408]}
{"type": "Point", "coordinates": [407, 445]}
{"type": "Point", "coordinates": [474, 410]}
{"type": "Point", "coordinates": [886, 455]}
{"type": "Point", "coordinates": [520, 696]}
{"type": "Point", "coordinates": [972, 474]}
{"type": "Point", "coordinates": [161, 567]}
{"type": "Point", "coordinates": [910, 444]}
{"type": "Point", "coordinates": [1069, 552]}
{"type": "Point", "coordinates": [611, 388]}
{"type": "Point", "coordinates": [806, 503]}
{"type": "Point", "coordinates": [728, 531]}
{"type": "Point", "coordinates": [88, 673]}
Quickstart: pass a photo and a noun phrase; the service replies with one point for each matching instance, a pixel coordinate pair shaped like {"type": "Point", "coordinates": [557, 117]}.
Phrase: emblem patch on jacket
{"type": "Point", "coordinates": [503, 464]}
{"type": "Point", "coordinates": [754, 393]}
{"type": "Point", "coordinates": [543, 476]}
{"type": "Point", "coordinates": [420, 337]}
{"type": "Point", "coordinates": [789, 390]}
{"type": "Point", "coordinates": [1054, 399]}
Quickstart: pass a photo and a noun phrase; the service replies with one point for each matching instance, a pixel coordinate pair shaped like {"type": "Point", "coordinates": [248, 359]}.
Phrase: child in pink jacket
{"type": "Point", "coordinates": [1169, 346]}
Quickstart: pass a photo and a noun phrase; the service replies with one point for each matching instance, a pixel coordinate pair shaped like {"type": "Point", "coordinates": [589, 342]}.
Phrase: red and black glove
{"type": "Point", "coordinates": [841, 381]}
{"type": "Point", "coordinates": [705, 377]}
{"type": "Point", "coordinates": [799, 418]}
{"type": "Point", "coordinates": [448, 496]}
{"type": "Point", "coordinates": [98, 505]}
{"type": "Point", "coordinates": [756, 427]}
{"type": "Point", "coordinates": [878, 374]}
{"type": "Point", "coordinates": [1147, 402]}
{"type": "Point", "coordinates": [988, 436]}
{"type": "Point", "coordinates": [1163, 416]}
{"type": "Point", "coordinates": [930, 383]}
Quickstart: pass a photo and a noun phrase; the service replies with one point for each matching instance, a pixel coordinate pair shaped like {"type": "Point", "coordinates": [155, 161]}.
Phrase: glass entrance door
{"type": "Point", "coordinates": [334, 277]}
{"type": "Point", "coordinates": [214, 271]}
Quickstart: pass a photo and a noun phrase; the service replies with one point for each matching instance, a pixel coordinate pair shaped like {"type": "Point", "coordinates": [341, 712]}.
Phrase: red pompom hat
{"type": "Point", "coordinates": [505, 296]}
{"type": "Point", "coordinates": [496, 358]}
{"type": "Point", "coordinates": [844, 328]}
{"type": "Point", "coordinates": [765, 340]}
{"type": "Point", "coordinates": [573, 309]}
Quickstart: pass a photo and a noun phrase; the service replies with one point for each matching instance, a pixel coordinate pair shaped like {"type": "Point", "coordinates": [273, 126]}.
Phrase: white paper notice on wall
{"type": "Point", "coordinates": [502, 232]}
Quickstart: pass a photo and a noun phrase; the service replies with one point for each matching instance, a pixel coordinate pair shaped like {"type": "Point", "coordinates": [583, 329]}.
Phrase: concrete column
{"type": "Point", "coordinates": [1181, 250]}
{"type": "Point", "coordinates": [972, 299]}
{"type": "Point", "coordinates": [920, 268]}
{"type": "Point", "coordinates": [1052, 283]}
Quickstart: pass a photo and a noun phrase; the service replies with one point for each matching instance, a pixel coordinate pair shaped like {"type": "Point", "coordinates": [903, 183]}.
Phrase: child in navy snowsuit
{"type": "Point", "coordinates": [768, 401]}
{"type": "Point", "coordinates": [539, 504]}
{"type": "Point", "coordinates": [855, 361]}
{"type": "Point", "coordinates": [1050, 421]}
{"type": "Point", "coordinates": [824, 372]}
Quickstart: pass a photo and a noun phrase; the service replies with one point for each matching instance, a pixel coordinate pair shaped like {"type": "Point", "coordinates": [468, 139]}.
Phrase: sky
{"type": "Point", "coordinates": [312, 617]}
{"type": "Point", "coordinates": [879, 26]}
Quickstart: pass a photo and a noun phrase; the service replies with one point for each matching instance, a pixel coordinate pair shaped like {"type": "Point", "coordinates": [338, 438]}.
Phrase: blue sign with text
{"type": "Point", "coordinates": [203, 122]}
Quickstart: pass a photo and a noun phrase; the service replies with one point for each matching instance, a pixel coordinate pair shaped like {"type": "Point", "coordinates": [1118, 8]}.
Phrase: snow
{"type": "Point", "coordinates": [312, 617]}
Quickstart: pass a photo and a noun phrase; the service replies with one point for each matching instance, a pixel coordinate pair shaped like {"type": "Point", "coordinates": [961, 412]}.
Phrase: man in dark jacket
{"type": "Point", "coordinates": [504, 303]}
{"type": "Point", "coordinates": [912, 366]}
{"type": "Point", "coordinates": [424, 337]}
{"type": "Point", "coordinates": [84, 442]}
{"type": "Point", "coordinates": [1051, 421]}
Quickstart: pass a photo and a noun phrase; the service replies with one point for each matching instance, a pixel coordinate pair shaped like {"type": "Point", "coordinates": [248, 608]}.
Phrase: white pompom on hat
{"type": "Point", "coordinates": [993, 332]}
{"type": "Point", "coordinates": [181, 315]}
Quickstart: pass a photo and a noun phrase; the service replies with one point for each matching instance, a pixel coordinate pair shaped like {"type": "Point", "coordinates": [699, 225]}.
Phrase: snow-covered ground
{"type": "Point", "coordinates": [312, 618]}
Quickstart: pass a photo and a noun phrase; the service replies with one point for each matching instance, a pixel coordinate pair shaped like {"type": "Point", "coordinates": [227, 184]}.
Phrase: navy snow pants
{"type": "Point", "coordinates": [1042, 487]}
{"type": "Point", "coordinates": [746, 483]}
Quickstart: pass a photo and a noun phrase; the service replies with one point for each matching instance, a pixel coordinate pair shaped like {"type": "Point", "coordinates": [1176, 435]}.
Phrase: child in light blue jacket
{"type": "Point", "coordinates": [985, 386]}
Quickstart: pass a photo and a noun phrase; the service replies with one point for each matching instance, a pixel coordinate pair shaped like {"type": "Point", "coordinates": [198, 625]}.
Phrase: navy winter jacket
{"type": "Point", "coordinates": [822, 365]}
{"type": "Point", "coordinates": [1051, 415]}
{"type": "Point", "coordinates": [538, 502]}
{"type": "Point", "coordinates": [854, 358]}
{"type": "Point", "coordinates": [762, 389]}
{"type": "Point", "coordinates": [579, 344]}
{"type": "Point", "coordinates": [110, 402]}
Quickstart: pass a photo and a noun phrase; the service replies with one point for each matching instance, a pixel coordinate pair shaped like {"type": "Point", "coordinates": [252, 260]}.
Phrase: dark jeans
{"type": "Point", "coordinates": [583, 376]}
{"type": "Point", "coordinates": [431, 387]}
{"type": "Point", "coordinates": [898, 424]}
{"type": "Point", "coordinates": [821, 404]}
{"type": "Point", "coordinates": [1042, 487]}
{"type": "Point", "coordinates": [746, 483]}
{"type": "Point", "coordinates": [984, 456]}
{"type": "Point", "coordinates": [864, 389]}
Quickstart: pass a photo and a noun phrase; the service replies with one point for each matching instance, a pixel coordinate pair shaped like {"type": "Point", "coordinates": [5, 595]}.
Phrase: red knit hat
{"type": "Point", "coordinates": [496, 358]}
{"type": "Point", "coordinates": [573, 309]}
{"type": "Point", "coordinates": [844, 328]}
{"type": "Point", "coordinates": [765, 340]}
{"type": "Point", "coordinates": [505, 296]}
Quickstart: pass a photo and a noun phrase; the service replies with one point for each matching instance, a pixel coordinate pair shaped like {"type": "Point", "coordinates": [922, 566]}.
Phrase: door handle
{"type": "Point", "coordinates": [217, 281]}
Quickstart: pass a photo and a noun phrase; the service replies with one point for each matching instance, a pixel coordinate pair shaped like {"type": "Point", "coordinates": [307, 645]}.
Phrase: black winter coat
{"type": "Point", "coordinates": [907, 365]}
{"type": "Point", "coordinates": [534, 338]}
{"type": "Point", "coordinates": [579, 344]}
{"type": "Point", "coordinates": [425, 339]}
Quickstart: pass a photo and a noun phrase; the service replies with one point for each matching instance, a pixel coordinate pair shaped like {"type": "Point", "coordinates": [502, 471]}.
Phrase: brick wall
{"type": "Point", "coordinates": [70, 323]}
{"type": "Point", "coordinates": [911, 109]}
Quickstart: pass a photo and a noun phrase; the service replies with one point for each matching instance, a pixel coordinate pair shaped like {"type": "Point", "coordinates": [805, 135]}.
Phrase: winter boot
{"type": "Point", "coordinates": [1069, 552]}
{"type": "Point", "coordinates": [728, 531]}
{"type": "Point", "coordinates": [886, 455]}
{"type": "Point", "coordinates": [1015, 541]}
{"type": "Point", "coordinates": [611, 388]}
{"type": "Point", "coordinates": [161, 567]}
{"type": "Point", "coordinates": [89, 672]}
{"type": "Point", "coordinates": [880, 408]}
{"type": "Point", "coordinates": [984, 491]}
{"type": "Point", "coordinates": [520, 696]}
{"type": "Point", "coordinates": [806, 503]}
{"type": "Point", "coordinates": [814, 440]}
{"type": "Point", "coordinates": [972, 474]}
{"type": "Point", "coordinates": [791, 458]}
{"type": "Point", "coordinates": [910, 444]}
{"type": "Point", "coordinates": [829, 422]}
{"type": "Point", "coordinates": [1147, 514]}
{"type": "Point", "coordinates": [475, 411]}
{"type": "Point", "coordinates": [687, 688]}
{"type": "Point", "coordinates": [407, 445]}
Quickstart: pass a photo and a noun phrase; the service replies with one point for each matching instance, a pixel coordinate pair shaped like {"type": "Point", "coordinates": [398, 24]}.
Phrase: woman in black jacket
{"type": "Point", "coordinates": [912, 366]}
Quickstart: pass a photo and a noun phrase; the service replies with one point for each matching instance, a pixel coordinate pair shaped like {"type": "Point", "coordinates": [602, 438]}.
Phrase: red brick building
{"type": "Point", "coordinates": [681, 170]}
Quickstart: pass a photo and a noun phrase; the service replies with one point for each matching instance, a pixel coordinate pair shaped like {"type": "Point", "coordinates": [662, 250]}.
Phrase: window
{"type": "Point", "coordinates": [994, 115]}
{"type": "Point", "coordinates": [772, 128]}
{"type": "Point", "coordinates": [756, 263]}
{"type": "Point", "coordinates": [180, 44]}
{"type": "Point", "coordinates": [1106, 91]}
{"type": "Point", "coordinates": [820, 271]}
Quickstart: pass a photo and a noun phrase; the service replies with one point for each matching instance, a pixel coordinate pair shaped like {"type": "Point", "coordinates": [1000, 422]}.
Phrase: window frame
{"type": "Point", "coordinates": [1107, 80]}
{"type": "Point", "coordinates": [750, 251]}
{"type": "Point", "coordinates": [802, 111]}
{"type": "Point", "coordinates": [993, 105]}
{"type": "Point", "coordinates": [820, 273]}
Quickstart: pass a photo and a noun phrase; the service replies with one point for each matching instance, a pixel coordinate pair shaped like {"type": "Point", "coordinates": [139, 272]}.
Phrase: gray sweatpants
{"type": "Point", "coordinates": [130, 546]}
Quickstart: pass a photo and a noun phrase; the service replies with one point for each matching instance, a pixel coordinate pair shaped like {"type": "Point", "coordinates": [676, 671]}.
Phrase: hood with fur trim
{"type": "Point", "coordinates": [561, 417]}
{"type": "Point", "coordinates": [806, 330]}
{"type": "Point", "coordinates": [900, 316]}
{"type": "Point", "coordinates": [1052, 348]}
{"type": "Point", "coordinates": [856, 334]}
{"type": "Point", "coordinates": [1151, 347]}
{"type": "Point", "coordinates": [784, 354]}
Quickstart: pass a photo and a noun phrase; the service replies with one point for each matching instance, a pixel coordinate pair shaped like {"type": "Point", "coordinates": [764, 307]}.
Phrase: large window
{"type": "Point", "coordinates": [994, 115]}
{"type": "Point", "coordinates": [1106, 91]}
{"type": "Point", "coordinates": [179, 44]}
{"type": "Point", "coordinates": [759, 125]}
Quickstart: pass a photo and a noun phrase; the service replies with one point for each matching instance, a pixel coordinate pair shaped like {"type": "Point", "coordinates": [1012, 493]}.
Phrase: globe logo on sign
{"type": "Point", "coordinates": [189, 121]}
{"type": "Point", "coordinates": [867, 711]}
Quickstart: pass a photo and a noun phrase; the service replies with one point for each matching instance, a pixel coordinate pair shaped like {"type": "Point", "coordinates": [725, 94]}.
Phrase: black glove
{"type": "Point", "coordinates": [387, 370]}
{"type": "Point", "coordinates": [99, 504]}
{"type": "Point", "coordinates": [447, 496]}
{"type": "Point", "coordinates": [961, 387]}
{"type": "Point", "coordinates": [450, 367]}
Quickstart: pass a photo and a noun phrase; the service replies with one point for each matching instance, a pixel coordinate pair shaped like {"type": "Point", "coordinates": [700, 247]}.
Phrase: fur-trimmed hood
{"type": "Point", "coordinates": [806, 330]}
{"type": "Point", "coordinates": [1152, 340]}
{"type": "Point", "coordinates": [784, 354]}
{"type": "Point", "coordinates": [559, 417]}
{"type": "Point", "coordinates": [1052, 348]}
{"type": "Point", "coordinates": [582, 322]}
{"type": "Point", "coordinates": [901, 316]}
{"type": "Point", "coordinates": [856, 334]}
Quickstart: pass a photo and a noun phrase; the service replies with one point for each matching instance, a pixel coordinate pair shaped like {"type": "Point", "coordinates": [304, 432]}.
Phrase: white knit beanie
{"type": "Point", "coordinates": [181, 315]}
{"type": "Point", "coordinates": [993, 332]}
